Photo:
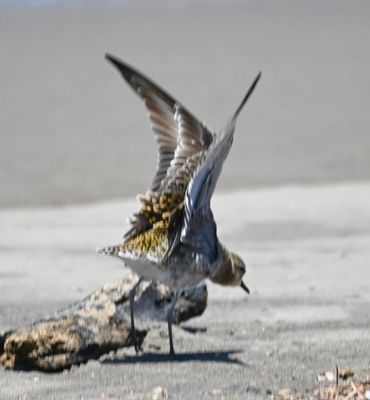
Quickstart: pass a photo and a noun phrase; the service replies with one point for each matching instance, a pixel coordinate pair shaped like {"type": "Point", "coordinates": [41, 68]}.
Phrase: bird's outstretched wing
{"type": "Point", "coordinates": [198, 220]}
{"type": "Point", "coordinates": [181, 140]}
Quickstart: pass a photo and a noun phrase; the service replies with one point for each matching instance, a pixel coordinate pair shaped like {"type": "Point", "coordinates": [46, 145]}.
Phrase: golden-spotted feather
{"type": "Point", "coordinates": [154, 208]}
{"type": "Point", "coordinates": [153, 243]}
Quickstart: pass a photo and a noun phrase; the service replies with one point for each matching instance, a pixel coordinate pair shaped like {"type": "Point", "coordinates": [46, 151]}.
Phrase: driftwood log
{"type": "Point", "coordinates": [95, 326]}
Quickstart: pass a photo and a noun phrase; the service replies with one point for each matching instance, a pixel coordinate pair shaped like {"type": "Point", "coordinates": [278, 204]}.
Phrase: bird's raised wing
{"type": "Point", "coordinates": [203, 182]}
{"type": "Point", "coordinates": [180, 137]}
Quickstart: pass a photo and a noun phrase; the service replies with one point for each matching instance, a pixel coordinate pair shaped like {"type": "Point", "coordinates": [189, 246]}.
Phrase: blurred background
{"type": "Point", "coordinates": [72, 131]}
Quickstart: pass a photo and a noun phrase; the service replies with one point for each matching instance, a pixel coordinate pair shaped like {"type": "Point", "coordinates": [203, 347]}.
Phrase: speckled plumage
{"type": "Point", "coordinates": [173, 235]}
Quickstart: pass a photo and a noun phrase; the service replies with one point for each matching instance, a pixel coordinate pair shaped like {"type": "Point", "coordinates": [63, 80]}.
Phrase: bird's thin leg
{"type": "Point", "coordinates": [170, 313]}
{"type": "Point", "coordinates": [132, 298]}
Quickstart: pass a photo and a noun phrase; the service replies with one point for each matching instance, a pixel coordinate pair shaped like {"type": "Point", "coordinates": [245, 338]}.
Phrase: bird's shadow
{"type": "Point", "coordinates": [206, 356]}
{"type": "Point", "coordinates": [193, 329]}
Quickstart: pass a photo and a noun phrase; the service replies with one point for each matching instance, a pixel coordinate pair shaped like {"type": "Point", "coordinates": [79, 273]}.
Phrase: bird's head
{"type": "Point", "coordinates": [231, 272]}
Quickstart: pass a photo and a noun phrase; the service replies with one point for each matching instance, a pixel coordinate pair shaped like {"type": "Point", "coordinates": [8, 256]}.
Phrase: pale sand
{"type": "Point", "coordinates": [308, 256]}
{"type": "Point", "coordinates": [72, 131]}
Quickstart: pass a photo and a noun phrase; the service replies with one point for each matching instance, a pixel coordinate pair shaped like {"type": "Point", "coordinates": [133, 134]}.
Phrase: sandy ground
{"type": "Point", "coordinates": [308, 256]}
{"type": "Point", "coordinates": [71, 131]}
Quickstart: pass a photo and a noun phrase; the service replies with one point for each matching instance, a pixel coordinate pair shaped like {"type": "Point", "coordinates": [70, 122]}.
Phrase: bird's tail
{"type": "Point", "coordinates": [109, 250]}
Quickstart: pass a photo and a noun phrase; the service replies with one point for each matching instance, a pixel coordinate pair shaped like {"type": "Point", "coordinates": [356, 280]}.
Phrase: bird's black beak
{"type": "Point", "coordinates": [244, 287]}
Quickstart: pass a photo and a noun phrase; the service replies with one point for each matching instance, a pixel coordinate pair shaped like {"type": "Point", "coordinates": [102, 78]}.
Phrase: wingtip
{"type": "Point", "coordinates": [248, 94]}
{"type": "Point", "coordinates": [112, 59]}
{"type": "Point", "coordinates": [123, 68]}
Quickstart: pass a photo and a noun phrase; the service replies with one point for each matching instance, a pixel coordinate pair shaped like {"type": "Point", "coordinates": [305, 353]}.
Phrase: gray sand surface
{"type": "Point", "coordinates": [308, 256]}
{"type": "Point", "coordinates": [71, 130]}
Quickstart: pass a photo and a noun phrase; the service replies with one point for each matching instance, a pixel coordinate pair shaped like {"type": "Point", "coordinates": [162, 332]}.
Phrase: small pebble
{"type": "Point", "coordinates": [326, 376]}
{"type": "Point", "coordinates": [330, 376]}
{"type": "Point", "coordinates": [216, 392]}
{"type": "Point", "coordinates": [286, 393]}
{"type": "Point", "coordinates": [36, 379]}
{"type": "Point", "coordinates": [158, 393]}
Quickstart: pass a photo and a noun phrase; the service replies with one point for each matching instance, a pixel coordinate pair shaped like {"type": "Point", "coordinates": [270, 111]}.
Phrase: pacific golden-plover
{"type": "Point", "coordinates": [173, 236]}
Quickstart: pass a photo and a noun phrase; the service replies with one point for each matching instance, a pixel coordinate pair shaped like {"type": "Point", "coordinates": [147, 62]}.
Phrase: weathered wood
{"type": "Point", "coordinates": [94, 326]}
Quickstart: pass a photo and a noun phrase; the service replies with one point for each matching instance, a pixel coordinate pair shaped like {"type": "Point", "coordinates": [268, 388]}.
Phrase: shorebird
{"type": "Point", "coordinates": [173, 238]}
